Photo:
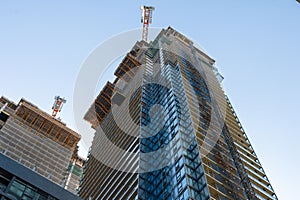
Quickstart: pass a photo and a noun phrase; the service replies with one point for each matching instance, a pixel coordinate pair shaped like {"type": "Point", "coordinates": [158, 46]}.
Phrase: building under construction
{"type": "Point", "coordinates": [200, 157]}
{"type": "Point", "coordinates": [40, 142]}
{"type": "Point", "coordinates": [19, 182]}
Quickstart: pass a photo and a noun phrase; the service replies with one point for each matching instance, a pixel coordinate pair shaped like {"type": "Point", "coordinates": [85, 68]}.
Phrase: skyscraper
{"type": "Point", "coordinates": [39, 142]}
{"type": "Point", "coordinates": [166, 130]}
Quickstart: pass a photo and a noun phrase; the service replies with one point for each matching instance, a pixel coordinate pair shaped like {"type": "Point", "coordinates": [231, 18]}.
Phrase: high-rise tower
{"type": "Point", "coordinates": [40, 142]}
{"type": "Point", "coordinates": [166, 130]}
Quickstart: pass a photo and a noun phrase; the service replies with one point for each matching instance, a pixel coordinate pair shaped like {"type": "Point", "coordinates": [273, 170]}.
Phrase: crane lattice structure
{"type": "Point", "coordinates": [146, 20]}
{"type": "Point", "coordinates": [57, 106]}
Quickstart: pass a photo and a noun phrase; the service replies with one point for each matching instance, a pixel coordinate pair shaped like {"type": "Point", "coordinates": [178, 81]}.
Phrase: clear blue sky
{"type": "Point", "coordinates": [256, 45]}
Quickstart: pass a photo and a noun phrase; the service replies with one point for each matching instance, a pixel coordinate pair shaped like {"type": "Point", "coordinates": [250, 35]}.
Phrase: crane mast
{"type": "Point", "coordinates": [146, 20]}
{"type": "Point", "coordinates": [57, 106]}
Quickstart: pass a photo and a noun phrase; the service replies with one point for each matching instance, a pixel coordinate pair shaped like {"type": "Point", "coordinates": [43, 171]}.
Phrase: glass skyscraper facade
{"type": "Point", "coordinates": [166, 130]}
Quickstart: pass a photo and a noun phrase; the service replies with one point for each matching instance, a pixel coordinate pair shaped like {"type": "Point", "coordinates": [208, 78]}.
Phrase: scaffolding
{"type": "Point", "coordinates": [43, 123]}
{"type": "Point", "coordinates": [102, 105]}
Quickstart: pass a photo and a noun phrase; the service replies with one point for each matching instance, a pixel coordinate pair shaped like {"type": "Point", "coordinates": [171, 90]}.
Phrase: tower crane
{"type": "Point", "coordinates": [146, 20]}
{"type": "Point", "coordinates": [57, 106]}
